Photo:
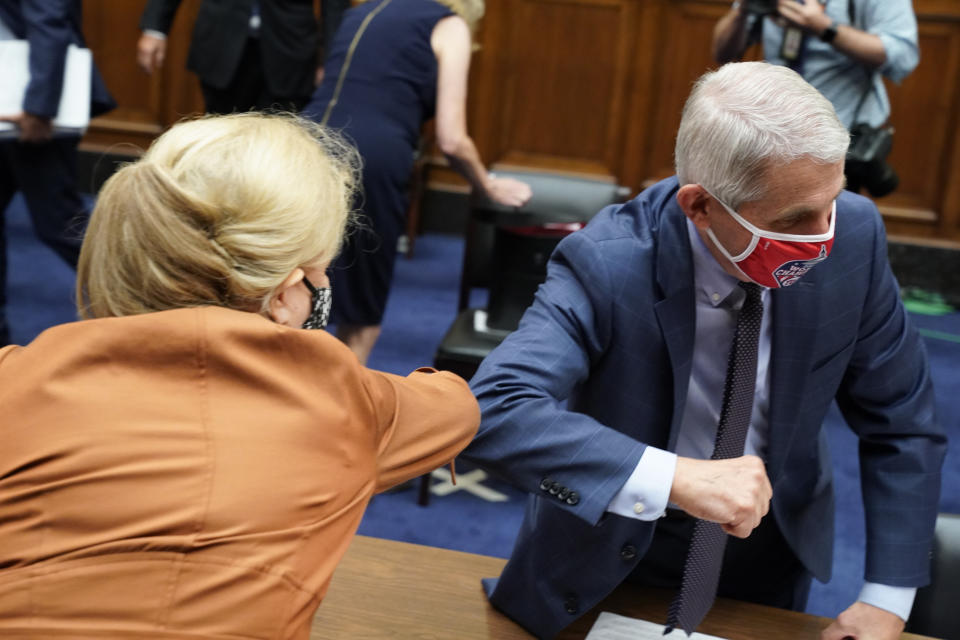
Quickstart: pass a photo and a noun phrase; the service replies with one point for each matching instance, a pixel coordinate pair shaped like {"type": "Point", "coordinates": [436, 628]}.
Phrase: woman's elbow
{"type": "Point", "coordinates": [454, 409]}
{"type": "Point", "coordinates": [451, 144]}
{"type": "Point", "coordinates": [467, 420]}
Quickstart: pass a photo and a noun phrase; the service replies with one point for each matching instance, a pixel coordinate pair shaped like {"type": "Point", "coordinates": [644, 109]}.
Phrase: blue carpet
{"type": "Point", "coordinates": [421, 307]}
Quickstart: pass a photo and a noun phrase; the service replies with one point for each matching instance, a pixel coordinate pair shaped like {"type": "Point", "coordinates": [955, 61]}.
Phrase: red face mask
{"type": "Point", "coordinates": [777, 259]}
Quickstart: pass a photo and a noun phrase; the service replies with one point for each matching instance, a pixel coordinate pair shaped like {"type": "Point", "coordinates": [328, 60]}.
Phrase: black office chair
{"type": "Point", "coordinates": [935, 608]}
{"type": "Point", "coordinates": [507, 250]}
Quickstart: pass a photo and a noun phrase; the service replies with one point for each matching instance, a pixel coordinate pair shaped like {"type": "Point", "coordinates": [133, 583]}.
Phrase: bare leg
{"type": "Point", "coordinates": [360, 339]}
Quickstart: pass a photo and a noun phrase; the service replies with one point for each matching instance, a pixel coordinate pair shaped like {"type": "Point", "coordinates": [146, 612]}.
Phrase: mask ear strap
{"type": "Point", "coordinates": [772, 235]}
{"type": "Point", "coordinates": [755, 233]}
{"type": "Point", "coordinates": [733, 261]}
{"type": "Point", "coordinates": [312, 289]}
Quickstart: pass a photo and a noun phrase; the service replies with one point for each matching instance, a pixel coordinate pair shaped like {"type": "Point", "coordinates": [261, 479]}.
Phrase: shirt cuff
{"type": "Point", "coordinates": [896, 600]}
{"type": "Point", "coordinates": [160, 35]}
{"type": "Point", "coordinates": [645, 494]}
{"type": "Point", "coordinates": [902, 57]}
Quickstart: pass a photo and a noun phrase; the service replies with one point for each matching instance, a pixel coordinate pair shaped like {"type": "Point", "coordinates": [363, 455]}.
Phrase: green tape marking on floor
{"type": "Point", "coordinates": [940, 335]}
{"type": "Point", "coordinates": [927, 303]}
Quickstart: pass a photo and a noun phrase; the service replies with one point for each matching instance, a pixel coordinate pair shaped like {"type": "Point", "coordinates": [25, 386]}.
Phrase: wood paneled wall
{"type": "Point", "coordinates": [147, 104]}
{"type": "Point", "coordinates": [590, 87]}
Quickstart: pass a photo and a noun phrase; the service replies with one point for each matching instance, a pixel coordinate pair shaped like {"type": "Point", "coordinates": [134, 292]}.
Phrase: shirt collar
{"type": "Point", "coordinates": [713, 284]}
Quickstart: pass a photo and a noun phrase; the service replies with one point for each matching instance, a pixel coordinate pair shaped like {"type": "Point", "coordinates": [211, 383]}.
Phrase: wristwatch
{"type": "Point", "coordinates": [828, 34]}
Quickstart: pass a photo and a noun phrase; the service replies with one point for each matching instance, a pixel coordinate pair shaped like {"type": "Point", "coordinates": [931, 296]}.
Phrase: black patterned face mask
{"type": "Point", "coordinates": [320, 311]}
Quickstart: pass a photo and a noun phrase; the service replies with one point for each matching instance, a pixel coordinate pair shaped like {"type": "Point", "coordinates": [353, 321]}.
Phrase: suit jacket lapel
{"type": "Point", "coordinates": [675, 311]}
{"type": "Point", "coordinates": [796, 310]}
{"type": "Point", "coordinates": [12, 18]}
{"type": "Point", "coordinates": [796, 313]}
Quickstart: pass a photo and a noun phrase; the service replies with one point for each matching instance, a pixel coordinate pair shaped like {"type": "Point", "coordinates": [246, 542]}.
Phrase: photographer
{"type": "Point", "coordinates": [843, 48]}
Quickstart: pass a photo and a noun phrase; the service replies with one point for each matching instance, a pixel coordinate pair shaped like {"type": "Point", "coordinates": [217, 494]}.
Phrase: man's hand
{"type": "Point", "coordinates": [150, 52]}
{"type": "Point", "coordinates": [33, 128]}
{"type": "Point", "coordinates": [862, 621]}
{"type": "Point", "coordinates": [734, 493]}
{"type": "Point", "coordinates": [808, 14]}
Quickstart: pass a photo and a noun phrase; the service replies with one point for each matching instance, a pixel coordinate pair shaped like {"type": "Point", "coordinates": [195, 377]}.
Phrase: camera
{"type": "Point", "coordinates": [866, 164]}
{"type": "Point", "coordinates": [760, 7]}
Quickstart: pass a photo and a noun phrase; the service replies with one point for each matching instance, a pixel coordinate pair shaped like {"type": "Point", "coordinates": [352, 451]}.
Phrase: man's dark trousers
{"type": "Point", "coordinates": [46, 174]}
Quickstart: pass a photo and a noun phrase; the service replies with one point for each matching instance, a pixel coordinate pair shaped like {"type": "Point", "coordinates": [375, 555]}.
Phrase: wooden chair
{"type": "Point", "coordinates": [418, 184]}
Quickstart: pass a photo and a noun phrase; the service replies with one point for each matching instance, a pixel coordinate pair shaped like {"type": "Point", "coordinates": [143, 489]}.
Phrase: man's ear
{"type": "Point", "coordinates": [693, 200]}
{"type": "Point", "coordinates": [280, 308]}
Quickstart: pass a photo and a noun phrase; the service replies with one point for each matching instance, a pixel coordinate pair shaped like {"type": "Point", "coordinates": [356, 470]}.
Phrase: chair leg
{"type": "Point", "coordinates": [424, 498]}
{"type": "Point", "coordinates": [413, 216]}
{"type": "Point", "coordinates": [418, 184]}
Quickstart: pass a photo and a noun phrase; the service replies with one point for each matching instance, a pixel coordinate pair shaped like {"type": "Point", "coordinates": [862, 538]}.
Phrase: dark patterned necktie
{"type": "Point", "coordinates": [701, 574]}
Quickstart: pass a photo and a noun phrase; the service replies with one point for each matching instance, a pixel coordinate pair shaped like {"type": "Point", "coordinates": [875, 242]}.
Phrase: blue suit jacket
{"type": "Point", "coordinates": [50, 26]}
{"type": "Point", "coordinates": [599, 368]}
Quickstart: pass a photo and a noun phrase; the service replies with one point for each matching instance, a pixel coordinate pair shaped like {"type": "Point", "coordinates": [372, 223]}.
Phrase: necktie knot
{"type": "Point", "coordinates": [752, 289]}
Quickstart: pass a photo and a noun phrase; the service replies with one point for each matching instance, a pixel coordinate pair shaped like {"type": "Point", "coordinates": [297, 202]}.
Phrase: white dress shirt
{"type": "Point", "coordinates": [646, 493]}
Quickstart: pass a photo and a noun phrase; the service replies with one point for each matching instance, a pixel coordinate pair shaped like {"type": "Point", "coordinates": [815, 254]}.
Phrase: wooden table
{"type": "Point", "coordinates": [386, 589]}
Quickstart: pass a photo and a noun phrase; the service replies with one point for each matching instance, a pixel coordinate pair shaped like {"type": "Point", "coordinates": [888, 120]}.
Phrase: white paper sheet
{"type": "Point", "coordinates": [610, 626]}
{"type": "Point", "coordinates": [73, 115]}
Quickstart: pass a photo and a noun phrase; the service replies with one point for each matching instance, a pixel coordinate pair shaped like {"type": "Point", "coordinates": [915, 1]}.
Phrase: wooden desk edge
{"type": "Point", "coordinates": [419, 591]}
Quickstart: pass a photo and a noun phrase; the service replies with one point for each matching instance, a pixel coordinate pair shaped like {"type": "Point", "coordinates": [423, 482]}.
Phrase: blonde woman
{"type": "Point", "coordinates": [188, 461]}
{"type": "Point", "coordinates": [393, 65]}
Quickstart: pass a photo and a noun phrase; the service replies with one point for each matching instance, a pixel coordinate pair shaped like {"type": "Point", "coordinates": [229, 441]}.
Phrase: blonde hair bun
{"type": "Point", "coordinates": [218, 211]}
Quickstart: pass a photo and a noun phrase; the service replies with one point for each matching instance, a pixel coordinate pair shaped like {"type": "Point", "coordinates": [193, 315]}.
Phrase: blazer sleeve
{"type": "Point", "coordinates": [49, 32]}
{"type": "Point", "coordinates": [887, 398]}
{"type": "Point", "coordinates": [424, 419]}
{"type": "Point", "coordinates": [528, 434]}
{"type": "Point", "coordinates": [158, 15]}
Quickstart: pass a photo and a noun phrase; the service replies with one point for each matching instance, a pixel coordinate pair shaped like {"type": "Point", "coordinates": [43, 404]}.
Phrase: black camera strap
{"type": "Point", "coordinates": [863, 99]}
{"type": "Point", "coordinates": [852, 11]}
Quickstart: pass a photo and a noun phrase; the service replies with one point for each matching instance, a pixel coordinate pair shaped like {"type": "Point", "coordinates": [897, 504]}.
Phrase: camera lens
{"type": "Point", "coordinates": [761, 7]}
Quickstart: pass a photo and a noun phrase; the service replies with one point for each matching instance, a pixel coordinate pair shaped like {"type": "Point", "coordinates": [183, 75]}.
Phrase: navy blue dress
{"type": "Point", "coordinates": [388, 90]}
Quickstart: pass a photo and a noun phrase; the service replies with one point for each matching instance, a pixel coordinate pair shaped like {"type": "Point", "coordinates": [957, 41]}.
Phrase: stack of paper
{"type": "Point", "coordinates": [73, 115]}
{"type": "Point", "coordinates": [610, 626]}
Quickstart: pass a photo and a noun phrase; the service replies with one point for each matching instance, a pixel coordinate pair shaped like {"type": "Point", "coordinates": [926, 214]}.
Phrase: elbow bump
{"type": "Point", "coordinates": [467, 408]}
{"type": "Point", "coordinates": [471, 418]}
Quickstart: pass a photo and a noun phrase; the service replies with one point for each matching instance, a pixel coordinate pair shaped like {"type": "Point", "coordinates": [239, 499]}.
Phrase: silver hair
{"type": "Point", "coordinates": [747, 117]}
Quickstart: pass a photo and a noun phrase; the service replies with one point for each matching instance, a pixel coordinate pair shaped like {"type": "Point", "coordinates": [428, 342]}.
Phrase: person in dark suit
{"type": "Point", "coordinates": [606, 401]}
{"type": "Point", "coordinates": [37, 164]}
{"type": "Point", "coordinates": [248, 54]}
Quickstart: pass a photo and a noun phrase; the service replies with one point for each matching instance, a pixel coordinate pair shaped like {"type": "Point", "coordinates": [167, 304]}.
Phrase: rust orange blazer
{"type": "Point", "coordinates": [197, 473]}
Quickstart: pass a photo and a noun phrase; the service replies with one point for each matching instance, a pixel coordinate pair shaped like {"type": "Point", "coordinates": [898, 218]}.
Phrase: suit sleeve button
{"type": "Point", "coordinates": [545, 484]}
{"type": "Point", "coordinates": [573, 498]}
{"type": "Point", "coordinates": [555, 488]}
{"type": "Point", "coordinates": [571, 605]}
{"type": "Point", "coordinates": [564, 492]}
